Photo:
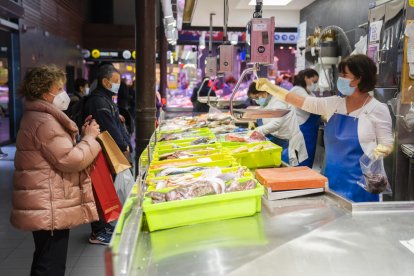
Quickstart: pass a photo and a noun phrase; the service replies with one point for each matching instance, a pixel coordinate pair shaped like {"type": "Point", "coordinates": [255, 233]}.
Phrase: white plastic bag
{"type": "Point", "coordinates": [123, 184]}
{"type": "Point", "coordinates": [408, 119]}
{"type": "Point", "coordinates": [360, 46]}
{"type": "Point", "coordinates": [374, 180]}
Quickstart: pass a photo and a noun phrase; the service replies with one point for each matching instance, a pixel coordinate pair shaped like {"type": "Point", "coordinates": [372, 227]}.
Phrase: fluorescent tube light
{"type": "Point", "coordinates": [271, 2]}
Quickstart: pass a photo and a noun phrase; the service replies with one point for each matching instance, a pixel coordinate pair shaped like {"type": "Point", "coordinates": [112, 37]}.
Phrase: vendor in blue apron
{"type": "Point", "coordinates": [283, 131]}
{"type": "Point", "coordinates": [357, 124]}
{"type": "Point", "coordinates": [305, 83]}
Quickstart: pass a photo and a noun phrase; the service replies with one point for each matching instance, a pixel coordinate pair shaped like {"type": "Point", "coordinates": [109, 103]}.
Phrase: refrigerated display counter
{"type": "Point", "coordinates": [320, 234]}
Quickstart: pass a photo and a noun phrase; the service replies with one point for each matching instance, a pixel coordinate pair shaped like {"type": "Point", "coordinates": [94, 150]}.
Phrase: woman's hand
{"type": "Point", "coordinates": [91, 128]}
{"type": "Point", "coordinates": [264, 84]}
{"type": "Point", "coordinates": [382, 151]}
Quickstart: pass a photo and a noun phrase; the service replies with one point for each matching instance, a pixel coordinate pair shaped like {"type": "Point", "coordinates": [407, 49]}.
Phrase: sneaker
{"type": "Point", "coordinates": [109, 229]}
{"type": "Point", "coordinates": [101, 238]}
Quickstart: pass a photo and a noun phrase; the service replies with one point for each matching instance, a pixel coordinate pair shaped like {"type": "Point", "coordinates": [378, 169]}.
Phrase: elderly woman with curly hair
{"type": "Point", "coordinates": [52, 188]}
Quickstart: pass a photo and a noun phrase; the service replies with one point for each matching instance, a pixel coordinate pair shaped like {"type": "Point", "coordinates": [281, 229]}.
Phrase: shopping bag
{"type": "Point", "coordinates": [374, 178]}
{"type": "Point", "coordinates": [116, 159]}
{"type": "Point", "coordinates": [107, 201]}
{"type": "Point", "coordinates": [123, 184]}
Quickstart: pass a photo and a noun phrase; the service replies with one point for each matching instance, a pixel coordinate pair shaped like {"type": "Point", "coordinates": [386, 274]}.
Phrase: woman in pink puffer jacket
{"type": "Point", "coordinates": [52, 188]}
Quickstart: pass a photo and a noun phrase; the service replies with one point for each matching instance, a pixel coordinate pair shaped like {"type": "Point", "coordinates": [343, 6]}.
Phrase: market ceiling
{"type": "Point", "coordinates": [197, 12]}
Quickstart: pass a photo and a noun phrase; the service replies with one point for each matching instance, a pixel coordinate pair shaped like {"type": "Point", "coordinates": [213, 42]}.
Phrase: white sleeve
{"type": "Point", "coordinates": [272, 126]}
{"type": "Point", "coordinates": [298, 90]}
{"type": "Point", "coordinates": [321, 106]}
{"type": "Point", "coordinates": [383, 125]}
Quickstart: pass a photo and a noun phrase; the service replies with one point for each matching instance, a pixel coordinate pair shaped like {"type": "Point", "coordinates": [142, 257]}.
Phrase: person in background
{"type": "Point", "coordinates": [52, 189]}
{"type": "Point", "coordinates": [3, 155]}
{"type": "Point", "coordinates": [229, 85]}
{"type": "Point", "coordinates": [357, 124]}
{"type": "Point", "coordinates": [283, 131]}
{"type": "Point", "coordinates": [124, 103]}
{"type": "Point", "coordinates": [305, 83]}
{"type": "Point", "coordinates": [124, 98]}
{"type": "Point", "coordinates": [158, 104]}
{"type": "Point", "coordinates": [131, 91]}
{"type": "Point", "coordinates": [81, 90]}
{"type": "Point", "coordinates": [204, 91]}
{"type": "Point", "coordinates": [105, 112]}
{"type": "Point", "coordinates": [286, 83]}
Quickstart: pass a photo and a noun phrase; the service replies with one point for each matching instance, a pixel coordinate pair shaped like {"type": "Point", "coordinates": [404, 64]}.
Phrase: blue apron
{"type": "Point", "coordinates": [343, 152]}
{"type": "Point", "coordinates": [310, 130]}
{"type": "Point", "coordinates": [284, 143]}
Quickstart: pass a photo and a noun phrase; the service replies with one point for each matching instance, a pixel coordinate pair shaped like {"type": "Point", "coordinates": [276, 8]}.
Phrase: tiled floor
{"type": "Point", "coordinates": [16, 247]}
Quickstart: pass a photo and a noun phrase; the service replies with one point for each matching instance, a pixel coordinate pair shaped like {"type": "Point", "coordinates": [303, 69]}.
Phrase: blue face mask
{"type": "Point", "coordinates": [115, 87]}
{"type": "Point", "coordinates": [344, 87]}
{"type": "Point", "coordinates": [260, 101]}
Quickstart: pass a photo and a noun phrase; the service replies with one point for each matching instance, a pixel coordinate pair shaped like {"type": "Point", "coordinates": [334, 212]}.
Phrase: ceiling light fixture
{"type": "Point", "coordinates": [271, 2]}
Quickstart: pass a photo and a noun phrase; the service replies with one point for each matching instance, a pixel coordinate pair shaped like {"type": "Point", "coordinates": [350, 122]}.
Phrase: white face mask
{"type": "Point", "coordinates": [87, 90]}
{"type": "Point", "coordinates": [312, 87]}
{"type": "Point", "coordinates": [61, 100]}
{"type": "Point", "coordinates": [115, 87]}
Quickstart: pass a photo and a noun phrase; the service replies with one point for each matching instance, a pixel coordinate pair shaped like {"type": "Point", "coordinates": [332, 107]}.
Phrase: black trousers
{"type": "Point", "coordinates": [50, 253]}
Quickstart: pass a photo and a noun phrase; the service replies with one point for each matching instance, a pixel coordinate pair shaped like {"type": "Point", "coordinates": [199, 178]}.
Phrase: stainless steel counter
{"type": "Point", "coordinates": [313, 235]}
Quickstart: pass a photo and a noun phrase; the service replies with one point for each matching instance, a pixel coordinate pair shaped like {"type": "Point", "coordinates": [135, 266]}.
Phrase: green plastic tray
{"type": "Point", "coordinates": [202, 209]}
{"type": "Point", "coordinates": [267, 158]}
{"type": "Point", "coordinates": [172, 146]}
{"type": "Point", "coordinates": [193, 147]}
{"type": "Point", "coordinates": [198, 153]}
{"type": "Point", "coordinates": [191, 161]}
{"type": "Point", "coordinates": [229, 162]}
{"type": "Point", "coordinates": [189, 139]}
{"type": "Point", "coordinates": [151, 180]}
{"type": "Point", "coordinates": [232, 144]}
{"type": "Point", "coordinates": [195, 130]}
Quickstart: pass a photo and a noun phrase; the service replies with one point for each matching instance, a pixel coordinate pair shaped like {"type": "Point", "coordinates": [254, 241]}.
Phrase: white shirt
{"type": "Point", "coordinates": [302, 115]}
{"type": "Point", "coordinates": [374, 119]}
{"type": "Point", "coordinates": [287, 128]}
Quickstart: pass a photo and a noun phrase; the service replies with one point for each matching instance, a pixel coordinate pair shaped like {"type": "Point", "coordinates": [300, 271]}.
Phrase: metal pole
{"type": "Point", "coordinates": [210, 39]}
{"type": "Point", "coordinates": [145, 41]}
{"type": "Point", "coordinates": [163, 61]}
{"type": "Point", "coordinates": [225, 21]}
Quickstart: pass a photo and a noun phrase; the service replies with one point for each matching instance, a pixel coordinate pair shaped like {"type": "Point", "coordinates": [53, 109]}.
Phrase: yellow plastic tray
{"type": "Point", "coordinates": [266, 158]}
{"type": "Point", "coordinates": [202, 209]}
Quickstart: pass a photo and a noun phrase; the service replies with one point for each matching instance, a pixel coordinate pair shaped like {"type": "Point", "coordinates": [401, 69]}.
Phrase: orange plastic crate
{"type": "Point", "coordinates": [291, 178]}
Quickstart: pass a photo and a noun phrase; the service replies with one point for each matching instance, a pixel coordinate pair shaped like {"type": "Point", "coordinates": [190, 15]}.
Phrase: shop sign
{"type": "Point", "coordinates": [375, 31]}
{"type": "Point", "coordinates": [100, 54]}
